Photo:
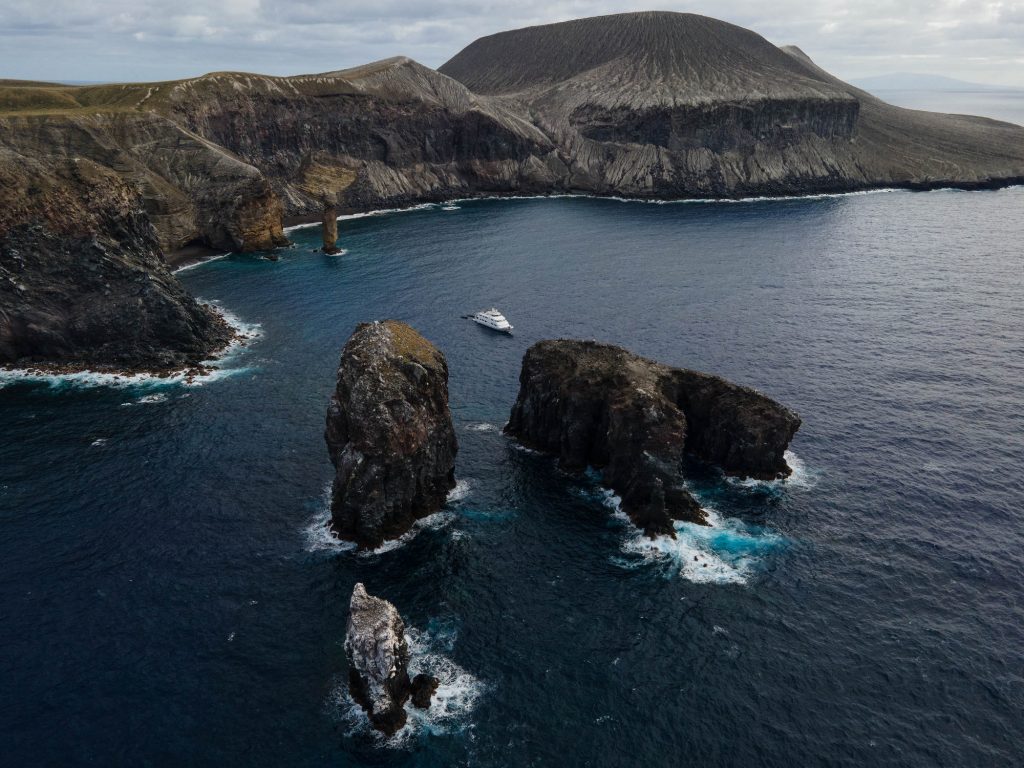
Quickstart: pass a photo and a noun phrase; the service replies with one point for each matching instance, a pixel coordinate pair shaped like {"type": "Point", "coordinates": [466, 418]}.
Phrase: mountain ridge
{"type": "Point", "coordinates": [649, 105]}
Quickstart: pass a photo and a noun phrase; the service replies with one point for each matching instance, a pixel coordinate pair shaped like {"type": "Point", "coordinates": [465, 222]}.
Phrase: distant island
{"type": "Point", "coordinates": [912, 81]}
{"type": "Point", "coordinates": [103, 187]}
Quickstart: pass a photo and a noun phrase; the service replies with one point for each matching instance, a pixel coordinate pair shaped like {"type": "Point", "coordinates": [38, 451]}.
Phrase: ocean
{"type": "Point", "coordinates": [170, 595]}
{"type": "Point", "coordinates": [1005, 105]}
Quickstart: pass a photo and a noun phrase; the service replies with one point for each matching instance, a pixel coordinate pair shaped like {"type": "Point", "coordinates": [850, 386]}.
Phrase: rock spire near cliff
{"type": "Point", "coordinates": [634, 419]}
{"type": "Point", "coordinates": [330, 230]}
{"type": "Point", "coordinates": [389, 433]}
{"type": "Point", "coordinates": [645, 105]}
{"type": "Point", "coordinates": [378, 662]}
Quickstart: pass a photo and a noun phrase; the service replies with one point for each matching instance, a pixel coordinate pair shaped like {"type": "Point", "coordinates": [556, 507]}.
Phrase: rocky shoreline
{"type": "Point", "coordinates": [667, 107]}
{"type": "Point", "coordinates": [187, 374]}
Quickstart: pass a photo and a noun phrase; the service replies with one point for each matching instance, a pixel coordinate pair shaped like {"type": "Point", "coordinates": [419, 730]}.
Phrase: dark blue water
{"type": "Point", "coordinates": [168, 597]}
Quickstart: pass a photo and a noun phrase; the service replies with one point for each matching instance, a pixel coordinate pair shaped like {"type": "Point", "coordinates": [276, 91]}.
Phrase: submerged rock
{"type": "Point", "coordinates": [389, 433]}
{"type": "Point", "coordinates": [634, 419]}
{"type": "Point", "coordinates": [378, 660]}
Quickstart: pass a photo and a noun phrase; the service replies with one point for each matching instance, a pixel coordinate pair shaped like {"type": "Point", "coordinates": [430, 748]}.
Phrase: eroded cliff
{"type": "Point", "coordinates": [389, 433]}
{"type": "Point", "coordinates": [635, 420]}
{"type": "Point", "coordinates": [643, 104]}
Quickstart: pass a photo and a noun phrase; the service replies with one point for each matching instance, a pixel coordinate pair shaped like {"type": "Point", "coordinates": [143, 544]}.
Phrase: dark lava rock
{"type": "Point", "coordinates": [107, 302]}
{"type": "Point", "coordinates": [634, 419]}
{"type": "Point", "coordinates": [389, 433]}
{"type": "Point", "coordinates": [424, 686]}
{"type": "Point", "coordinates": [378, 658]}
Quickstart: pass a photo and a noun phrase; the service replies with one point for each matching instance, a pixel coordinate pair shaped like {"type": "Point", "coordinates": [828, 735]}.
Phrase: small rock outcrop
{"type": "Point", "coordinates": [423, 688]}
{"type": "Point", "coordinates": [389, 433]}
{"type": "Point", "coordinates": [635, 419]}
{"type": "Point", "coordinates": [378, 659]}
{"type": "Point", "coordinates": [331, 230]}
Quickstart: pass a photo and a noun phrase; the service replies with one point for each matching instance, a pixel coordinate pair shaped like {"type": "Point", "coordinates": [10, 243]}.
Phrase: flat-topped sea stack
{"type": "Point", "coordinates": [635, 419]}
{"type": "Point", "coordinates": [389, 433]}
{"type": "Point", "coordinates": [378, 662]}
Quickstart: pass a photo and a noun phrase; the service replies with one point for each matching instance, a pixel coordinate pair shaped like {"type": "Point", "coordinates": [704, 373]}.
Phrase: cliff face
{"type": "Point", "coordinates": [634, 419]}
{"type": "Point", "coordinates": [382, 134]}
{"type": "Point", "coordinates": [192, 190]}
{"type": "Point", "coordinates": [644, 105]}
{"type": "Point", "coordinates": [88, 205]}
{"type": "Point", "coordinates": [82, 279]}
{"type": "Point", "coordinates": [678, 105]}
{"type": "Point", "coordinates": [389, 433]}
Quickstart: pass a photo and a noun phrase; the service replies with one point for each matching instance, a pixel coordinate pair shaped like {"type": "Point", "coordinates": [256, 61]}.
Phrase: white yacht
{"type": "Point", "coordinates": [493, 319]}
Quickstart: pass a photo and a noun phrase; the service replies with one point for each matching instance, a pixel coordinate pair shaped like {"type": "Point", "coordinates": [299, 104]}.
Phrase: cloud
{"type": "Point", "coordinates": [151, 39]}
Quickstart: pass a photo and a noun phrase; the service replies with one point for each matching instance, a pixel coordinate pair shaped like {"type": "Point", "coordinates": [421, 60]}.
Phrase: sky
{"type": "Point", "coordinates": [119, 40]}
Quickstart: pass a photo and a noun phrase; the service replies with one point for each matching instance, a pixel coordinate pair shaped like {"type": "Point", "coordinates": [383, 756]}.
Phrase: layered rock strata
{"type": "Point", "coordinates": [389, 433]}
{"type": "Point", "coordinates": [635, 420]}
{"type": "Point", "coordinates": [82, 281]}
{"type": "Point", "coordinates": [649, 105]}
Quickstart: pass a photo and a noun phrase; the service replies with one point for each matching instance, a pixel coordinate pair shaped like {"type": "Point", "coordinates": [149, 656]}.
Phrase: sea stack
{"type": "Point", "coordinates": [635, 419]}
{"type": "Point", "coordinates": [378, 662]}
{"type": "Point", "coordinates": [389, 433]}
{"type": "Point", "coordinates": [331, 230]}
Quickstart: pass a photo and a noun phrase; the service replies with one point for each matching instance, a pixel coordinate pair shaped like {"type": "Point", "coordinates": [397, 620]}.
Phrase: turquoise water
{"type": "Point", "coordinates": [170, 596]}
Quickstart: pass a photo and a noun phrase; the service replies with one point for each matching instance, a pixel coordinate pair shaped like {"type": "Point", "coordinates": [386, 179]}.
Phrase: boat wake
{"type": "Point", "coordinates": [450, 709]}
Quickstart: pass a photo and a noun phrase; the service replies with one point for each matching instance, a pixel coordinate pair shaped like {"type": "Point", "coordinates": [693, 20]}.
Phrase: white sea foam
{"type": "Point", "coordinates": [801, 477]}
{"type": "Point", "coordinates": [523, 449]}
{"type": "Point", "coordinates": [726, 551]}
{"type": "Point", "coordinates": [482, 426]}
{"type": "Point", "coordinates": [200, 262]}
{"type": "Point", "coordinates": [450, 709]}
{"type": "Point", "coordinates": [320, 538]}
{"type": "Point", "coordinates": [460, 491]}
{"type": "Point", "coordinates": [434, 522]}
{"type": "Point", "coordinates": [318, 534]}
{"type": "Point", "coordinates": [646, 201]}
{"type": "Point", "coordinates": [159, 397]}
{"type": "Point", "coordinates": [217, 368]}
{"type": "Point", "coordinates": [365, 214]}
{"type": "Point", "coordinates": [684, 201]}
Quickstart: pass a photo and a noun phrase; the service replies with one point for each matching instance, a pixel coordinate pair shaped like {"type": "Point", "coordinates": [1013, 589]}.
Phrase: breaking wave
{"type": "Point", "coordinates": [450, 709]}
{"type": "Point", "coordinates": [319, 537]}
{"type": "Point", "coordinates": [801, 477]}
{"type": "Point", "coordinates": [726, 551]}
{"type": "Point", "coordinates": [460, 491]}
{"type": "Point", "coordinates": [216, 368]}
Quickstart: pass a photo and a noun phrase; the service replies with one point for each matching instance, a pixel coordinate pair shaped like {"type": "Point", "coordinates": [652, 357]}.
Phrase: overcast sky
{"type": "Point", "coordinates": [163, 39]}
